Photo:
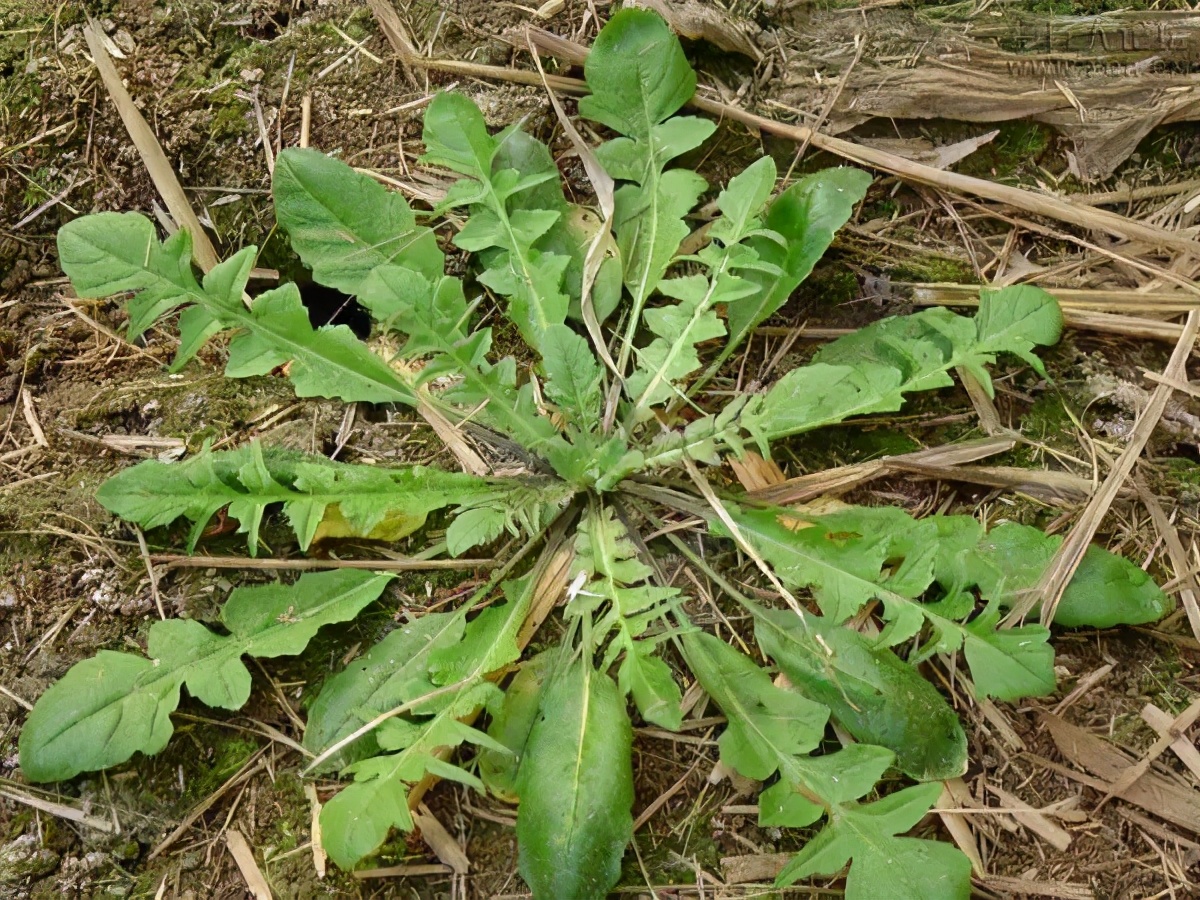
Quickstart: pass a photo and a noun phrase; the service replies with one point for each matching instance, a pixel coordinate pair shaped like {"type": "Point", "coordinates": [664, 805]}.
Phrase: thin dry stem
{"type": "Point", "coordinates": [1062, 568]}
{"type": "Point", "coordinates": [161, 172]}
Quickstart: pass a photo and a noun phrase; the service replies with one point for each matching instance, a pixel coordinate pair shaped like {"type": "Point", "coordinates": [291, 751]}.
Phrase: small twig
{"type": "Point", "coordinates": [660, 801]}
{"type": "Point", "coordinates": [58, 626]}
{"type": "Point", "coordinates": [154, 592]}
{"type": "Point", "coordinates": [53, 201]}
{"type": "Point", "coordinates": [180, 561]}
{"type": "Point", "coordinates": [108, 332]}
{"type": "Point", "coordinates": [263, 135]}
{"type": "Point", "coordinates": [1175, 384]}
{"type": "Point", "coordinates": [360, 46]}
{"type": "Point", "coordinates": [1062, 568]}
{"type": "Point", "coordinates": [417, 870]}
{"type": "Point", "coordinates": [305, 119]}
{"type": "Point", "coordinates": [31, 419]}
{"type": "Point", "coordinates": [61, 810]}
{"type": "Point", "coordinates": [287, 87]}
{"type": "Point", "coordinates": [744, 545]}
{"type": "Point", "coordinates": [281, 698]}
{"type": "Point", "coordinates": [252, 767]}
{"type": "Point", "coordinates": [16, 698]}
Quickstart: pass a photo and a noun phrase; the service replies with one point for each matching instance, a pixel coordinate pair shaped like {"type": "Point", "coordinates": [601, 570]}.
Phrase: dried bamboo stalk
{"type": "Point", "coordinates": [1062, 568]}
{"type": "Point", "coordinates": [1110, 301]}
{"type": "Point", "coordinates": [843, 478]}
{"type": "Point", "coordinates": [151, 151]}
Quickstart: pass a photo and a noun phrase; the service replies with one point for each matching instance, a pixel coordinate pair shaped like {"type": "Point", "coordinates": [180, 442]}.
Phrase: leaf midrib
{"type": "Point", "coordinates": [399, 392]}
{"type": "Point", "coordinates": [783, 758]}
{"type": "Point", "coordinates": [863, 408]}
{"type": "Point", "coordinates": [577, 777]}
{"type": "Point", "coordinates": [677, 346]}
{"type": "Point", "coordinates": [519, 250]}
{"type": "Point", "coordinates": [364, 247]}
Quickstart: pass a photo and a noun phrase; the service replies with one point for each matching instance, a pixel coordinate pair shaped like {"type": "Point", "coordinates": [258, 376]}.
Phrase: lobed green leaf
{"type": "Point", "coordinates": [111, 253]}
{"type": "Point", "coordinates": [607, 562]}
{"type": "Point", "coordinates": [390, 673]}
{"type": "Point", "coordinates": [638, 78]}
{"type": "Point", "coordinates": [866, 836]}
{"type": "Point", "coordinates": [321, 498]}
{"type": "Point", "coordinates": [841, 557]}
{"type": "Point", "coordinates": [113, 705]}
{"type": "Point", "coordinates": [457, 138]}
{"type": "Point", "coordinates": [772, 730]}
{"type": "Point", "coordinates": [871, 692]}
{"type": "Point", "coordinates": [873, 368]}
{"type": "Point", "coordinates": [357, 821]}
{"type": "Point", "coordinates": [806, 216]}
{"type": "Point", "coordinates": [767, 725]}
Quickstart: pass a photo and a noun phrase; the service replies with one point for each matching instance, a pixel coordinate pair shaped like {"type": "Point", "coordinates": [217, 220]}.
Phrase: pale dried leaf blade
{"type": "Point", "coordinates": [1160, 796]}
{"type": "Point", "coordinates": [985, 408]}
{"type": "Point", "coordinates": [440, 841]}
{"type": "Point", "coordinates": [1033, 819]}
{"type": "Point", "coordinates": [922, 151]}
{"type": "Point", "coordinates": [318, 849]}
{"type": "Point", "coordinates": [760, 867]}
{"type": "Point", "coordinates": [244, 857]}
{"type": "Point", "coordinates": [393, 29]}
{"type": "Point", "coordinates": [839, 480]}
{"type": "Point", "coordinates": [1051, 486]}
{"type": "Point", "coordinates": [604, 187]}
{"type": "Point", "coordinates": [552, 44]}
{"type": "Point", "coordinates": [454, 440]}
{"type": "Point", "coordinates": [551, 589]}
{"type": "Point", "coordinates": [956, 795]}
{"type": "Point", "coordinates": [602, 182]}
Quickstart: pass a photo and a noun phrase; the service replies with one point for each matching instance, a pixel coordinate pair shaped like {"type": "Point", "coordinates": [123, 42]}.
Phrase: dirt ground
{"type": "Point", "coordinates": [78, 403]}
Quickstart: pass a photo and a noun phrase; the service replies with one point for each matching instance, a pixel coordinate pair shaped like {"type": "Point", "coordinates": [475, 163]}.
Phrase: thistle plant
{"type": "Point", "coordinates": [620, 445]}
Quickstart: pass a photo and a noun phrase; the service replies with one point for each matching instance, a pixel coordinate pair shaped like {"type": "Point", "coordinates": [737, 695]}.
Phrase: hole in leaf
{"type": "Point", "coordinates": [328, 306]}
